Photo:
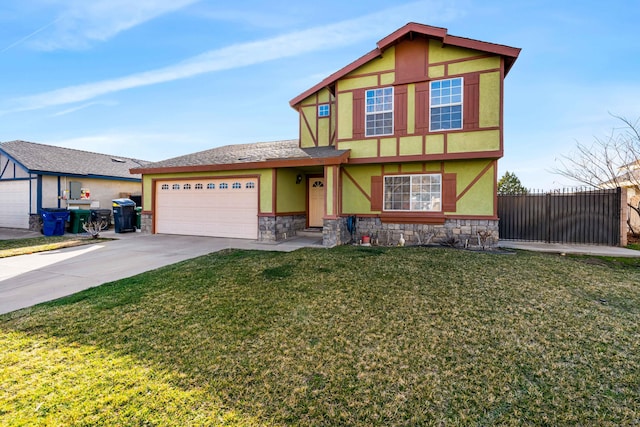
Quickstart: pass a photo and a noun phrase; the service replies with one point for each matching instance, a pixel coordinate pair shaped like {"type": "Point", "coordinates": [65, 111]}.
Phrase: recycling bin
{"type": "Point", "coordinates": [53, 221]}
{"type": "Point", "coordinates": [77, 218]}
{"type": "Point", "coordinates": [101, 215]}
{"type": "Point", "coordinates": [124, 215]}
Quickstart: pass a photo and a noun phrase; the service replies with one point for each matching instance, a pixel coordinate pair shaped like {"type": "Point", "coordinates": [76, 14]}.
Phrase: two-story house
{"type": "Point", "coordinates": [405, 139]}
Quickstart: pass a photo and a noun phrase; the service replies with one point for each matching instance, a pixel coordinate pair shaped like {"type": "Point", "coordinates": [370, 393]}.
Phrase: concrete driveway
{"type": "Point", "coordinates": [31, 279]}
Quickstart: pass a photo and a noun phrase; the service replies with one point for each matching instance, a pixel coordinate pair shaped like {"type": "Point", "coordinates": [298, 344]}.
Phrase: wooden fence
{"type": "Point", "coordinates": [563, 216]}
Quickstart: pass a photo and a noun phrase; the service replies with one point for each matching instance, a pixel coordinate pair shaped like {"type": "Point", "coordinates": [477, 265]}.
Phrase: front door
{"type": "Point", "coordinates": [316, 202]}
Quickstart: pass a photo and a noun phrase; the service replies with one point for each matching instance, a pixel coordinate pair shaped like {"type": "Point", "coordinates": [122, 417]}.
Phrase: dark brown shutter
{"type": "Point", "coordinates": [376, 193]}
{"type": "Point", "coordinates": [422, 108]}
{"type": "Point", "coordinates": [449, 192]}
{"type": "Point", "coordinates": [358, 113]}
{"type": "Point", "coordinates": [400, 110]}
{"type": "Point", "coordinates": [471, 107]}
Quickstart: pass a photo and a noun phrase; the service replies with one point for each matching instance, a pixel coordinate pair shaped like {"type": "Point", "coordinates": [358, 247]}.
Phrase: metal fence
{"type": "Point", "coordinates": [562, 216]}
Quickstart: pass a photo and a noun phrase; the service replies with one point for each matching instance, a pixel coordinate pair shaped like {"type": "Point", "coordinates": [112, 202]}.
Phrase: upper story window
{"type": "Point", "coordinates": [421, 193]}
{"type": "Point", "coordinates": [323, 110]}
{"type": "Point", "coordinates": [379, 111]}
{"type": "Point", "coordinates": [446, 104]}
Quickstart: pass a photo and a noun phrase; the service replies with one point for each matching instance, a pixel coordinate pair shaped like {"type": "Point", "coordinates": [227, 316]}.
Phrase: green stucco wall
{"type": "Point", "coordinates": [479, 198]}
{"type": "Point", "coordinates": [291, 197]}
{"type": "Point", "coordinates": [490, 99]}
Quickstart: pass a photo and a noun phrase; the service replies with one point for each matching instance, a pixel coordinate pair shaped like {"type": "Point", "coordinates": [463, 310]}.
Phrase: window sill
{"type": "Point", "coordinates": [412, 217]}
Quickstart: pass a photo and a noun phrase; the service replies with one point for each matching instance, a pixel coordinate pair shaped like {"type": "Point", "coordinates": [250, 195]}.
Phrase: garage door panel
{"type": "Point", "coordinates": [14, 204]}
{"type": "Point", "coordinates": [218, 212]}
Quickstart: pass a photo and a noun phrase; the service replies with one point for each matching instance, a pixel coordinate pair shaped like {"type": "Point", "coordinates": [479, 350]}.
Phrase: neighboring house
{"type": "Point", "coordinates": [35, 176]}
{"type": "Point", "coordinates": [629, 179]}
{"type": "Point", "coordinates": [405, 139]}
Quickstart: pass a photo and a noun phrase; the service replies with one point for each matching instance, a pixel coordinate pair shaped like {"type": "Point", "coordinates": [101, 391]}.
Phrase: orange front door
{"type": "Point", "coordinates": [316, 202]}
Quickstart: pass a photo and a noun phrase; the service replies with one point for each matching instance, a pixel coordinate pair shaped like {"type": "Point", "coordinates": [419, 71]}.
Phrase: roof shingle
{"type": "Point", "coordinates": [51, 159]}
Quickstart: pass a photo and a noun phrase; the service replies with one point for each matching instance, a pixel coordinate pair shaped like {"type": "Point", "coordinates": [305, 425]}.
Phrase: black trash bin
{"type": "Point", "coordinates": [53, 221]}
{"type": "Point", "coordinates": [99, 215]}
{"type": "Point", "coordinates": [124, 215]}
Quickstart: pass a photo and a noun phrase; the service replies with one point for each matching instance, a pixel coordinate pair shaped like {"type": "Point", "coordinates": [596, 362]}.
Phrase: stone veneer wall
{"type": "Point", "coordinates": [35, 222]}
{"type": "Point", "coordinates": [461, 231]}
{"type": "Point", "coordinates": [146, 223]}
{"type": "Point", "coordinates": [274, 228]}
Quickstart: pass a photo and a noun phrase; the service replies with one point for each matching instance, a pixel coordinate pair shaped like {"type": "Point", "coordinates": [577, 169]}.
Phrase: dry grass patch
{"type": "Point", "coordinates": [42, 244]}
{"type": "Point", "coordinates": [349, 336]}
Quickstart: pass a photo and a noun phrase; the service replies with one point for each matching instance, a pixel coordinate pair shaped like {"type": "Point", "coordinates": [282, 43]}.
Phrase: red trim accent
{"type": "Point", "coordinates": [471, 102]}
{"type": "Point", "coordinates": [271, 214]}
{"type": "Point", "coordinates": [489, 217]}
{"type": "Point", "coordinates": [412, 218]}
{"type": "Point", "coordinates": [429, 157]}
{"type": "Point", "coordinates": [475, 180]}
{"type": "Point", "coordinates": [510, 54]}
{"type": "Point", "coordinates": [359, 115]}
{"type": "Point", "coordinates": [314, 138]}
{"type": "Point", "coordinates": [400, 110]}
{"type": "Point", "coordinates": [267, 164]}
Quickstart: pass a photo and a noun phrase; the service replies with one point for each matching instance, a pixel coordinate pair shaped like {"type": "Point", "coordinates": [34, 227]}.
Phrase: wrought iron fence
{"type": "Point", "coordinates": [561, 216]}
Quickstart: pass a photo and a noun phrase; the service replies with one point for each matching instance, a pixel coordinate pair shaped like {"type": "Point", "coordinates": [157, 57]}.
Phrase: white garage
{"type": "Point", "coordinates": [217, 207]}
{"type": "Point", "coordinates": [14, 204]}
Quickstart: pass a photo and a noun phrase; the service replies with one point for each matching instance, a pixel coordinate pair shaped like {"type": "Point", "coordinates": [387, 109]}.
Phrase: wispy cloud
{"type": "Point", "coordinates": [28, 36]}
{"type": "Point", "coordinates": [82, 22]}
{"type": "Point", "coordinates": [83, 106]}
{"type": "Point", "coordinates": [244, 54]}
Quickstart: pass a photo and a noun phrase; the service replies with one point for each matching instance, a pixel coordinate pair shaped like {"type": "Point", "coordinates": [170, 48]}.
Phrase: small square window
{"type": "Point", "coordinates": [323, 110]}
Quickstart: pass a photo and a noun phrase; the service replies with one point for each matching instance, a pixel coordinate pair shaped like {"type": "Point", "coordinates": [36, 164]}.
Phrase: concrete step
{"type": "Point", "coordinates": [310, 232]}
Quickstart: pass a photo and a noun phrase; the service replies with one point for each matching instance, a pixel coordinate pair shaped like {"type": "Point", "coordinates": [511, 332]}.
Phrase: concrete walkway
{"type": "Point", "coordinates": [564, 248]}
{"type": "Point", "coordinates": [26, 280]}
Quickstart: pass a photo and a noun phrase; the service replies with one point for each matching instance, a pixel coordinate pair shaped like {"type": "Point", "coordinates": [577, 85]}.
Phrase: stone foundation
{"type": "Point", "coordinates": [276, 228]}
{"type": "Point", "coordinates": [35, 222]}
{"type": "Point", "coordinates": [454, 232]}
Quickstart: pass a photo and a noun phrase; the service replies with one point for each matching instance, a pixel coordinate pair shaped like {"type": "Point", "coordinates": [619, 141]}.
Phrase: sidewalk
{"type": "Point", "coordinates": [565, 248]}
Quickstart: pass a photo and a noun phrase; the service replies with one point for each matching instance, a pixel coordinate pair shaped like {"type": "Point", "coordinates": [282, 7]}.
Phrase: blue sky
{"type": "Point", "coordinates": [155, 79]}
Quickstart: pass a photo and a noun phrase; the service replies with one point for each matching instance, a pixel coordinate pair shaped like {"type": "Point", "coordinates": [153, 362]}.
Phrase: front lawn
{"type": "Point", "coordinates": [348, 336]}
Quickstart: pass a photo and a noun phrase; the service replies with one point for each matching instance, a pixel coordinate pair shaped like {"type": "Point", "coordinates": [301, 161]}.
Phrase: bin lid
{"type": "Point", "coordinates": [123, 202]}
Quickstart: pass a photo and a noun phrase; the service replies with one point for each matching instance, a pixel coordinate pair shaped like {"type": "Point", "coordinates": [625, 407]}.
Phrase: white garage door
{"type": "Point", "coordinates": [208, 207]}
{"type": "Point", "coordinates": [14, 204]}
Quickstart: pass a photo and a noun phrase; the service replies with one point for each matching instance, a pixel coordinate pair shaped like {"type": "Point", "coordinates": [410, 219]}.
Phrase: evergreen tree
{"type": "Point", "coordinates": [510, 184]}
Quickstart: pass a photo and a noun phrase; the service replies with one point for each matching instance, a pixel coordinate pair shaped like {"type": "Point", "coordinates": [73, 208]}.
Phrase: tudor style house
{"type": "Point", "coordinates": [405, 139]}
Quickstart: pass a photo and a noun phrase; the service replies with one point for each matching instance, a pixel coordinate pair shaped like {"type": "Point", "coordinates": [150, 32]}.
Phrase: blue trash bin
{"type": "Point", "coordinates": [53, 221]}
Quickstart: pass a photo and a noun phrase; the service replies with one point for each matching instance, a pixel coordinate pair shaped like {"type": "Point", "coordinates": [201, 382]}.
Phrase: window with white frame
{"type": "Point", "coordinates": [323, 110]}
{"type": "Point", "coordinates": [379, 111]}
{"type": "Point", "coordinates": [446, 104]}
{"type": "Point", "coordinates": [422, 193]}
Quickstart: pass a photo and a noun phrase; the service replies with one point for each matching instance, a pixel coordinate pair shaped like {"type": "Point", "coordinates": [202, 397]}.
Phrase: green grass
{"type": "Point", "coordinates": [348, 336]}
{"type": "Point", "coordinates": [31, 245]}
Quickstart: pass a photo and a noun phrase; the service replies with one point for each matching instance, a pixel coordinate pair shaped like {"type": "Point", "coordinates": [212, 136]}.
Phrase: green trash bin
{"type": "Point", "coordinates": [78, 218]}
{"type": "Point", "coordinates": [139, 217]}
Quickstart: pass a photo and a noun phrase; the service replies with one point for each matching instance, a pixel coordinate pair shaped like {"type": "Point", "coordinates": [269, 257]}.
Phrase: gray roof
{"type": "Point", "coordinates": [249, 153]}
{"type": "Point", "coordinates": [59, 160]}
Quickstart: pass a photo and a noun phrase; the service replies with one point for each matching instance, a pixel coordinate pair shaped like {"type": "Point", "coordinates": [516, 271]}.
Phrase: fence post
{"type": "Point", "coordinates": [624, 213]}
